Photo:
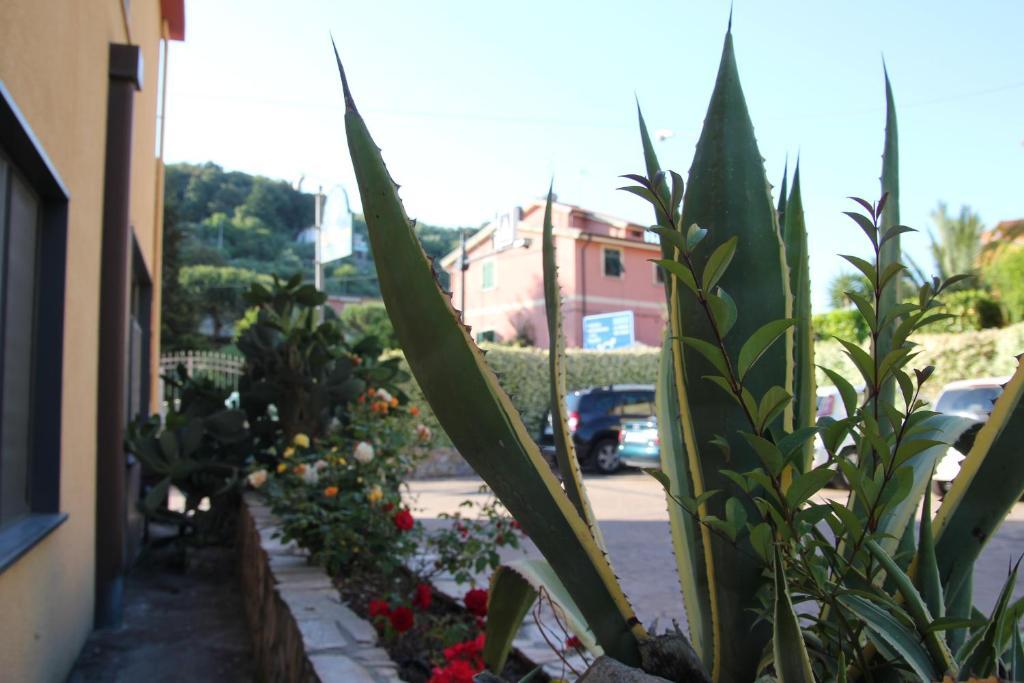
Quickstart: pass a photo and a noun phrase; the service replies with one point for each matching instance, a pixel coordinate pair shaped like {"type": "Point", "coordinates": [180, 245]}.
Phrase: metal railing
{"type": "Point", "coordinates": [223, 369]}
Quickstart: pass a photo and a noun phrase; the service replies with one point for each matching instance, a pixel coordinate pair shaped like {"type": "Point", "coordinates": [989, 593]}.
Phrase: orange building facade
{"type": "Point", "coordinates": [603, 267]}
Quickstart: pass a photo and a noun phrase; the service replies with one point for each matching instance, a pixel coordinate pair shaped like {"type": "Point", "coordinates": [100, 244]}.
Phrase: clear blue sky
{"type": "Point", "coordinates": [476, 105]}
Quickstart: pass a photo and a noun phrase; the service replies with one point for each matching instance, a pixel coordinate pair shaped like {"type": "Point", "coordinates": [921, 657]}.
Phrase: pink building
{"type": "Point", "coordinates": [603, 267]}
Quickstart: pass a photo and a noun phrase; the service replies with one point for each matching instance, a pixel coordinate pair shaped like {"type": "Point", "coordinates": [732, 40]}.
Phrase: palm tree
{"type": "Point", "coordinates": [956, 247]}
{"type": "Point", "coordinates": [847, 282]}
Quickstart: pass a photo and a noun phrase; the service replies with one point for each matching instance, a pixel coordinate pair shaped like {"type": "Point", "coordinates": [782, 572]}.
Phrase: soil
{"type": "Point", "coordinates": [420, 649]}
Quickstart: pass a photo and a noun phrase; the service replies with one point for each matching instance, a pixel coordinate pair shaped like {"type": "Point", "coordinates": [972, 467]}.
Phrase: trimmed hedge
{"type": "Point", "coordinates": [845, 323]}
{"type": "Point", "coordinates": [523, 372]}
{"type": "Point", "coordinates": [985, 353]}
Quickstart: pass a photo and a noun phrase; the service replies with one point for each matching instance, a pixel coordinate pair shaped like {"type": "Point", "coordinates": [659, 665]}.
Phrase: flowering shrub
{"type": "Point", "coordinates": [339, 496]}
{"type": "Point", "coordinates": [464, 660]}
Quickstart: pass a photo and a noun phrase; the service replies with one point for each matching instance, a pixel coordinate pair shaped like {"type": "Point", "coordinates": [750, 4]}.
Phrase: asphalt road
{"type": "Point", "coordinates": [631, 511]}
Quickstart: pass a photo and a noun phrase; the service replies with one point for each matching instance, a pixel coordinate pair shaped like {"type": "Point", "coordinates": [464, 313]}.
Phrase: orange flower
{"type": "Point", "coordinates": [393, 402]}
{"type": "Point", "coordinates": [371, 392]}
{"type": "Point", "coordinates": [331, 491]}
{"type": "Point", "coordinates": [414, 411]}
{"type": "Point", "coordinates": [299, 469]}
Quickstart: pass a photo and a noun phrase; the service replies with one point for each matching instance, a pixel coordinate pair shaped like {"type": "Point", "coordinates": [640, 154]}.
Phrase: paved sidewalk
{"type": "Point", "coordinates": [178, 626]}
{"type": "Point", "coordinates": [630, 508]}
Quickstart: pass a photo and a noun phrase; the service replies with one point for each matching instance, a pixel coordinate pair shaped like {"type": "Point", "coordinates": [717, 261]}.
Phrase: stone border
{"type": "Point", "coordinates": [300, 629]}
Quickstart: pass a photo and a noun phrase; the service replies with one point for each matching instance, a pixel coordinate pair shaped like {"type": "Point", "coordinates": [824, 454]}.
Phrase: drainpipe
{"type": "Point", "coordinates": [125, 79]}
{"type": "Point", "coordinates": [583, 279]}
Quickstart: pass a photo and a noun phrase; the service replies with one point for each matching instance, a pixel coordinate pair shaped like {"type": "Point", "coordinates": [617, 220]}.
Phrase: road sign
{"type": "Point", "coordinates": [606, 331]}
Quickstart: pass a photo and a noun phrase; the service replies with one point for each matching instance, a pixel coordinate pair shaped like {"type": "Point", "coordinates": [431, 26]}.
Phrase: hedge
{"type": "Point", "coordinates": [523, 372]}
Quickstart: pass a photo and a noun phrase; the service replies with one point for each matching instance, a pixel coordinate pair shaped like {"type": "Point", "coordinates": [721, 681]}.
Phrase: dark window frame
{"type": "Point", "coordinates": [27, 155]}
{"type": "Point", "coordinates": [605, 251]}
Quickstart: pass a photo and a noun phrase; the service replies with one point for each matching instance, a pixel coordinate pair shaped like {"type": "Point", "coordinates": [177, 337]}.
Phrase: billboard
{"type": "Point", "coordinates": [336, 227]}
{"type": "Point", "coordinates": [606, 331]}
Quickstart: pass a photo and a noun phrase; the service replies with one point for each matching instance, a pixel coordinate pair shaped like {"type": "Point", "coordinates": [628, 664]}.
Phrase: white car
{"type": "Point", "coordinates": [972, 399]}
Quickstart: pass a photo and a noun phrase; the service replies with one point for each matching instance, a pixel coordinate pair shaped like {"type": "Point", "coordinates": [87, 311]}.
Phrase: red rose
{"type": "Point", "coordinates": [424, 594]}
{"type": "Point", "coordinates": [573, 643]}
{"type": "Point", "coordinates": [379, 608]}
{"type": "Point", "coordinates": [402, 619]}
{"type": "Point", "coordinates": [515, 525]}
{"type": "Point", "coordinates": [403, 520]}
{"type": "Point", "coordinates": [476, 602]}
{"type": "Point", "coordinates": [458, 671]}
{"type": "Point", "coordinates": [388, 507]}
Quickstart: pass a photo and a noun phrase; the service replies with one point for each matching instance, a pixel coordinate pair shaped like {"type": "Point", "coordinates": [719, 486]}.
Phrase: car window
{"type": "Point", "coordinates": [636, 404]}
{"type": "Point", "coordinates": [973, 400]}
{"type": "Point", "coordinates": [598, 403]}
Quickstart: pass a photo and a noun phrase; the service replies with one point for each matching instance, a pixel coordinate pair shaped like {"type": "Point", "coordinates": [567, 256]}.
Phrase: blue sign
{"type": "Point", "coordinates": [607, 331]}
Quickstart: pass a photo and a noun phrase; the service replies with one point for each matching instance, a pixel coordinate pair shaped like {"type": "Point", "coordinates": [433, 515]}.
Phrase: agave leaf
{"type": "Point", "coordinates": [685, 531]}
{"type": "Point", "coordinates": [794, 235]}
{"type": "Point", "coordinates": [792, 665]}
{"type": "Point", "coordinates": [783, 196]}
{"type": "Point", "coordinates": [728, 194]}
{"type": "Point", "coordinates": [509, 601]}
{"type": "Point", "coordinates": [990, 481]}
{"type": "Point", "coordinates": [942, 658]}
{"type": "Point", "coordinates": [984, 656]}
{"type": "Point", "coordinates": [926, 577]}
{"type": "Point", "coordinates": [565, 449]}
{"type": "Point", "coordinates": [473, 409]}
{"type": "Point", "coordinates": [885, 628]}
{"type": "Point", "coordinates": [524, 580]}
{"type": "Point", "coordinates": [890, 251]}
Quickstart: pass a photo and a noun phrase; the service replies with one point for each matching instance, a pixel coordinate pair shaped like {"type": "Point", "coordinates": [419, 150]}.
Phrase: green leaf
{"type": "Point", "coordinates": [758, 343]}
{"type": "Point", "coordinates": [761, 539]}
{"type": "Point", "coordinates": [846, 390]}
{"type": "Point", "coordinates": [672, 237]}
{"type": "Point", "coordinates": [894, 634]}
{"type": "Point", "coordinates": [865, 224]}
{"type": "Point", "coordinates": [984, 657]}
{"type": "Point", "coordinates": [475, 412]}
{"type": "Point", "coordinates": [806, 485]}
{"type": "Point", "coordinates": [717, 263]}
{"type": "Point", "coordinates": [772, 403]}
{"type": "Point", "coordinates": [723, 308]}
{"type": "Point", "coordinates": [862, 359]}
{"type": "Point", "coordinates": [508, 602]}
{"type": "Point", "coordinates": [865, 267]}
{"type": "Point", "coordinates": [711, 352]}
{"type": "Point", "coordinates": [792, 665]}
{"type": "Point", "coordinates": [694, 236]}
{"type": "Point", "coordinates": [891, 251]}
{"type": "Point", "coordinates": [680, 272]}
{"type": "Point", "coordinates": [990, 482]}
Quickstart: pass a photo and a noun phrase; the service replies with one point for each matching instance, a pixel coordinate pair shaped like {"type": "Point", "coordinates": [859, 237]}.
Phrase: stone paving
{"type": "Point", "coordinates": [630, 508]}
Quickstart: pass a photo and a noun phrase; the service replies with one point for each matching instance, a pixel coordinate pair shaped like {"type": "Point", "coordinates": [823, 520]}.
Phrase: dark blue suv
{"type": "Point", "coordinates": [595, 417]}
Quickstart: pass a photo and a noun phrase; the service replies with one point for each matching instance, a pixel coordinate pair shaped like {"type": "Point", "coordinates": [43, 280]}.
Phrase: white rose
{"type": "Point", "coordinates": [383, 395]}
{"type": "Point", "coordinates": [311, 475]}
{"type": "Point", "coordinates": [257, 478]}
{"type": "Point", "coordinates": [363, 453]}
{"type": "Point", "coordinates": [320, 465]}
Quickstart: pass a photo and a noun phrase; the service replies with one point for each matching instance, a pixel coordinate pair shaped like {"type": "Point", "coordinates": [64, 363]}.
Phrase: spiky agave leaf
{"type": "Point", "coordinates": [729, 195]}
{"type": "Point", "coordinates": [685, 529]}
{"type": "Point", "coordinates": [565, 450]}
{"type": "Point", "coordinates": [473, 409]}
{"type": "Point", "coordinates": [990, 481]}
{"type": "Point", "coordinates": [792, 665]}
{"type": "Point", "coordinates": [891, 251]}
{"type": "Point", "coordinates": [794, 235]}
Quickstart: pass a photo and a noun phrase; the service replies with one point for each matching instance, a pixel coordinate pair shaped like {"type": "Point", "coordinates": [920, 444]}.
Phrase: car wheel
{"type": "Point", "coordinates": [604, 456]}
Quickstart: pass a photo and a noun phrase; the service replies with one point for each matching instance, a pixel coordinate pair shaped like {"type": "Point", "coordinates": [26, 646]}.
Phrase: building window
{"type": "Point", "coordinates": [33, 241]}
{"type": "Point", "coordinates": [613, 262]}
{"type": "Point", "coordinates": [659, 274]}
{"type": "Point", "coordinates": [488, 275]}
{"type": "Point", "coordinates": [486, 336]}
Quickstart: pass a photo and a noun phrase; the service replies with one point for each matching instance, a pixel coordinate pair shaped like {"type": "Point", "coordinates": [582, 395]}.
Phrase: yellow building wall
{"type": "Point", "coordinates": [54, 62]}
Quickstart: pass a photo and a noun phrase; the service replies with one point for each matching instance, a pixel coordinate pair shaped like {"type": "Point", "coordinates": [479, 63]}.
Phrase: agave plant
{"type": "Point", "coordinates": [735, 404]}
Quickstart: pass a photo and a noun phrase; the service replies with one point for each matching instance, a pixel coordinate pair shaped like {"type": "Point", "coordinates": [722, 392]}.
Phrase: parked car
{"type": "Point", "coordinates": [595, 419]}
{"type": "Point", "coordinates": [972, 399]}
{"type": "Point", "coordinates": [639, 445]}
{"type": "Point", "coordinates": [830, 405]}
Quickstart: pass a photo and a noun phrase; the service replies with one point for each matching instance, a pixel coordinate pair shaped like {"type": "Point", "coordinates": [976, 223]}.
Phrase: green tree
{"type": "Point", "coordinates": [219, 291]}
{"type": "Point", "coordinates": [847, 282]}
{"type": "Point", "coordinates": [956, 243]}
{"type": "Point", "coordinates": [1005, 273]}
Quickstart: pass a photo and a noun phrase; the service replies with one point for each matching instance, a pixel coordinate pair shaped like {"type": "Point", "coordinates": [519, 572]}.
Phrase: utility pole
{"type": "Point", "coordinates": [318, 267]}
{"type": "Point", "coordinates": [463, 266]}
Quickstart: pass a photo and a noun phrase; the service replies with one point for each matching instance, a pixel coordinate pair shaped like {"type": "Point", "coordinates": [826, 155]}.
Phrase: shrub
{"type": "Point", "coordinates": [973, 309]}
{"type": "Point", "coordinates": [843, 323]}
{"type": "Point", "coordinates": [370, 319]}
{"type": "Point", "coordinates": [1006, 273]}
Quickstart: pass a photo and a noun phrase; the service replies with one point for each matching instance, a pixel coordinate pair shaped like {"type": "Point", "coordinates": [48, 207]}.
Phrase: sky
{"type": "Point", "coordinates": [478, 105]}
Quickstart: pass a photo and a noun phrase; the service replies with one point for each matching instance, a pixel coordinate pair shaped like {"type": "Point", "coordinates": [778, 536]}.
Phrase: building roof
{"type": "Point", "coordinates": [485, 232]}
{"type": "Point", "coordinates": [173, 12]}
{"type": "Point", "coordinates": [1010, 231]}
